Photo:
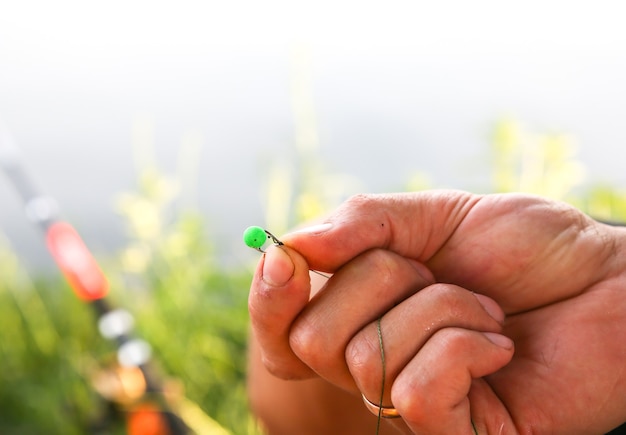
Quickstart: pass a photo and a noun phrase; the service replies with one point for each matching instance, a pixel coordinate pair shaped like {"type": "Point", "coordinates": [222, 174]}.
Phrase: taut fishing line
{"type": "Point", "coordinates": [256, 238]}
{"type": "Point", "coordinates": [384, 373]}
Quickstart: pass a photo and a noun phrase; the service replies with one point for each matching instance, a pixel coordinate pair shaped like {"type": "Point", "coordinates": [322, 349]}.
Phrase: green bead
{"type": "Point", "coordinates": [254, 237]}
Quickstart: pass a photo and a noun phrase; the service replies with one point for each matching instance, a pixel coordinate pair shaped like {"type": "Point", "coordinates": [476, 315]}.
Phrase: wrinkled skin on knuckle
{"type": "Point", "coordinates": [386, 272]}
{"type": "Point", "coordinates": [382, 265]}
{"type": "Point", "coordinates": [304, 340]}
{"type": "Point", "coordinates": [363, 358]}
{"type": "Point", "coordinates": [452, 303]}
{"type": "Point", "coordinates": [361, 202]}
{"type": "Point", "coordinates": [363, 208]}
{"type": "Point", "coordinates": [448, 296]}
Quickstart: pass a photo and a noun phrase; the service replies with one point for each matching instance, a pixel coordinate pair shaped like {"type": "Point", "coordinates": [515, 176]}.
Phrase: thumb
{"type": "Point", "coordinates": [280, 289]}
{"type": "Point", "coordinates": [414, 225]}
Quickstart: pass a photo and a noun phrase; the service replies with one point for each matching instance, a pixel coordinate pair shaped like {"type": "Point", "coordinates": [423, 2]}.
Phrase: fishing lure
{"type": "Point", "coordinates": [256, 238]}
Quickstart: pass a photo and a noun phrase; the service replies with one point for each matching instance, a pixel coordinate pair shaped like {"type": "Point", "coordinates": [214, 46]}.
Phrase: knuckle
{"type": "Point", "coordinates": [359, 201]}
{"type": "Point", "coordinates": [361, 206]}
{"type": "Point", "coordinates": [449, 296]}
{"type": "Point", "coordinates": [381, 263]}
{"type": "Point", "coordinates": [362, 353]}
{"type": "Point", "coordinates": [305, 341]}
{"type": "Point", "coordinates": [453, 341]}
{"type": "Point", "coordinates": [445, 293]}
{"type": "Point", "coordinates": [385, 267]}
{"type": "Point", "coordinates": [408, 399]}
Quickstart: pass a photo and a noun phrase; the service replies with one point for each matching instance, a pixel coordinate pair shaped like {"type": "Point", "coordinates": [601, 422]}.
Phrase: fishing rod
{"type": "Point", "coordinates": [88, 282]}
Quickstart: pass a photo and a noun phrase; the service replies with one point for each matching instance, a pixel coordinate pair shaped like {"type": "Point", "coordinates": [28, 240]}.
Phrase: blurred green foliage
{"type": "Point", "coordinates": [194, 313]}
{"type": "Point", "coordinates": [47, 348]}
{"type": "Point", "coordinates": [546, 164]}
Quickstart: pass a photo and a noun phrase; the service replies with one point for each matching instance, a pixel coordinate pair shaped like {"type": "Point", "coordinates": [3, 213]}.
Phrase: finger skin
{"type": "Point", "coordinates": [306, 407]}
{"type": "Point", "coordinates": [413, 225]}
{"type": "Point", "coordinates": [356, 294]}
{"type": "Point", "coordinates": [569, 359]}
{"type": "Point", "coordinates": [431, 392]}
{"type": "Point", "coordinates": [280, 290]}
{"type": "Point", "coordinates": [558, 275]}
{"type": "Point", "coordinates": [408, 326]}
{"type": "Point", "coordinates": [518, 249]}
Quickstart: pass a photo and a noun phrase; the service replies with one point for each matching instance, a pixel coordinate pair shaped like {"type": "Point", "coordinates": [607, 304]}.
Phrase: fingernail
{"type": "Point", "coordinates": [277, 267]}
{"type": "Point", "coordinates": [491, 306]}
{"type": "Point", "coordinates": [315, 229]}
{"type": "Point", "coordinates": [499, 340]}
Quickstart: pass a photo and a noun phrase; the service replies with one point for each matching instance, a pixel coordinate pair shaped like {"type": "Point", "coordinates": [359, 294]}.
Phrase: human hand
{"type": "Point", "coordinates": [557, 274]}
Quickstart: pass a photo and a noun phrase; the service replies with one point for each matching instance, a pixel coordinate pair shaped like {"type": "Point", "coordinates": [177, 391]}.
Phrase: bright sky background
{"type": "Point", "coordinates": [86, 27]}
{"type": "Point", "coordinates": [398, 87]}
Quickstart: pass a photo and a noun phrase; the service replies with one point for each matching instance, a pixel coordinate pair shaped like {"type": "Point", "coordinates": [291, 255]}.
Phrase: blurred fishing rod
{"type": "Point", "coordinates": [89, 283]}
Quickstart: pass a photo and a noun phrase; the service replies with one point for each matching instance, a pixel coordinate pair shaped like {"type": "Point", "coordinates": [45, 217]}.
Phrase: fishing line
{"type": "Point", "coordinates": [384, 374]}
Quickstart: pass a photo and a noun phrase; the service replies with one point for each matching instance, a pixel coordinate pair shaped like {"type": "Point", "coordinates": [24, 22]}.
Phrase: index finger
{"type": "Point", "coordinates": [414, 225]}
{"type": "Point", "coordinates": [518, 249]}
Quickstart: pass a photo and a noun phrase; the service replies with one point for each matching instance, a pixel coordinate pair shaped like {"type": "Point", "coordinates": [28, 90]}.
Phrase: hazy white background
{"type": "Point", "coordinates": [398, 87]}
